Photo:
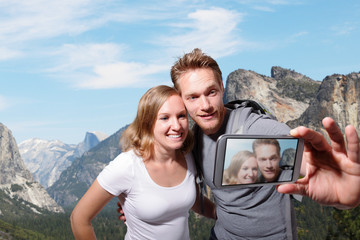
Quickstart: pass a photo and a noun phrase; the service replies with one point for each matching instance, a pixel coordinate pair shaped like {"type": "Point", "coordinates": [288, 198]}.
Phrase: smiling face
{"type": "Point", "coordinates": [268, 159]}
{"type": "Point", "coordinates": [203, 97]}
{"type": "Point", "coordinates": [171, 125]}
{"type": "Point", "coordinates": [248, 171]}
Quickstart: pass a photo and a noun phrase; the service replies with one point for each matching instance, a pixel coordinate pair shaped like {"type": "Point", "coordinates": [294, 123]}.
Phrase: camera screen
{"type": "Point", "coordinates": [261, 160]}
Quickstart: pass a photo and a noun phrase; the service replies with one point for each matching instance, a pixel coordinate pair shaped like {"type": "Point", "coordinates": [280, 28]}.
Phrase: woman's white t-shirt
{"type": "Point", "coordinates": [151, 211]}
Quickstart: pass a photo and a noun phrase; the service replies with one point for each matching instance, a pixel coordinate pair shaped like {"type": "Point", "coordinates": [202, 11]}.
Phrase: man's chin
{"type": "Point", "coordinates": [209, 127]}
{"type": "Point", "coordinates": [271, 178]}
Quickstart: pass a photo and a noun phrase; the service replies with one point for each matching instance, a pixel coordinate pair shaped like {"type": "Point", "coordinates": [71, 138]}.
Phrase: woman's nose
{"type": "Point", "coordinates": [175, 125]}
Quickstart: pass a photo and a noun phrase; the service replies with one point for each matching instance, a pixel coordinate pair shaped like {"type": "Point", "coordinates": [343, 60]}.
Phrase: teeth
{"type": "Point", "coordinates": [175, 136]}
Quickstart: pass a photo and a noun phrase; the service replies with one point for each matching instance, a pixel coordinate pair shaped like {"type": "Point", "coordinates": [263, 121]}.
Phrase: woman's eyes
{"type": "Point", "coordinates": [181, 116]}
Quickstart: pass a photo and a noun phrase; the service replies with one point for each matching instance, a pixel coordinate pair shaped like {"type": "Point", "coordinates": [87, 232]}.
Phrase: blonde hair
{"type": "Point", "coordinates": [139, 135]}
{"type": "Point", "coordinates": [191, 61]}
{"type": "Point", "coordinates": [230, 174]}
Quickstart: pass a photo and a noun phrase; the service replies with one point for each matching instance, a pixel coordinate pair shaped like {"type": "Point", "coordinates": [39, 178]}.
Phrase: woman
{"type": "Point", "coordinates": [153, 177]}
{"type": "Point", "coordinates": [243, 169]}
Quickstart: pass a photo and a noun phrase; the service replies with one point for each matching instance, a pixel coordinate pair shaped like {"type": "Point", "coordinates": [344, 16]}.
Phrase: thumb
{"type": "Point", "coordinates": [291, 189]}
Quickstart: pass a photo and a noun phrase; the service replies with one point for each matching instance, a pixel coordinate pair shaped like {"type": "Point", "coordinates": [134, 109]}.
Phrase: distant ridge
{"type": "Point", "coordinates": [77, 178]}
{"type": "Point", "coordinates": [47, 159]}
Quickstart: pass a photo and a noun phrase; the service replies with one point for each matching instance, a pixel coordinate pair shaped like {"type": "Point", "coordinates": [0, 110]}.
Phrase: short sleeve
{"type": "Point", "coordinates": [117, 176]}
{"type": "Point", "coordinates": [191, 163]}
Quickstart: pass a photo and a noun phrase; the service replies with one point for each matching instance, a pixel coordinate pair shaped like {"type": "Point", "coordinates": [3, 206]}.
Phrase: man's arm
{"type": "Point", "coordinates": [332, 175]}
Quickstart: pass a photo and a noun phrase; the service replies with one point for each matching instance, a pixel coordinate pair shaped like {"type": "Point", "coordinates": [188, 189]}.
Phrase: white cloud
{"type": "Point", "coordinates": [122, 74]}
{"type": "Point", "coordinates": [4, 103]}
{"type": "Point", "coordinates": [32, 21]}
{"type": "Point", "coordinates": [25, 21]}
{"type": "Point", "coordinates": [268, 5]}
{"type": "Point", "coordinates": [22, 21]}
{"type": "Point", "coordinates": [213, 30]}
{"type": "Point", "coordinates": [28, 20]}
{"type": "Point", "coordinates": [34, 28]}
{"type": "Point", "coordinates": [296, 36]}
{"type": "Point", "coordinates": [82, 56]}
{"type": "Point", "coordinates": [264, 8]}
{"type": "Point", "coordinates": [97, 66]}
{"type": "Point", "coordinates": [344, 29]}
{"type": "Point", "coordinates": [271, 2]}
{"type": "Point", "coordinates": [7, 53]}
{"type": "Point", "coordinates": [281, 2]}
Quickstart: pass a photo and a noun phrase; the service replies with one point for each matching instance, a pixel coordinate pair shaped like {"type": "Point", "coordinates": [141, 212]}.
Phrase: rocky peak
{"type": "Point", "coordinates": [91, 140]}
{"type": "Point", "coordinates": [339, 98]}
{"type": "Point", "coordinates": [15, 180]}
{"type": "Point", "coordinates": [287, 94]}
{"type": "Point", "coordinates": [283, 73]}
{"type": "Point", "coordinates": [11, 164]}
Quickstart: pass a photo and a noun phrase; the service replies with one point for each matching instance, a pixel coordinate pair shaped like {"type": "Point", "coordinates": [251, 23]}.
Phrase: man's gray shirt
{"type": "Point", "coordinates": [248, 213]}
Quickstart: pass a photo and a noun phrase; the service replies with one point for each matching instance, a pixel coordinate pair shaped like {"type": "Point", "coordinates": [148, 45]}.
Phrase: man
{"type": "Point", "coordinates": [261, 212]}
{"type": "Point", "coordinates": [267, 153]}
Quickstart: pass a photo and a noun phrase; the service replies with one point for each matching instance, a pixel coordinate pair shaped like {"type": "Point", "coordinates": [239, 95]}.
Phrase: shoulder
{"type": "Point", "coordinates": [120, 170]}
{"type": "Point", "coordinates": [255, 123]}
{"type": "Point", "coordinates": [125, 159]}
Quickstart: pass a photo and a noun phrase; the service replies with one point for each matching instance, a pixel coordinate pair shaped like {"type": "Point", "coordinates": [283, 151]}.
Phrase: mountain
{"type": "Point", "coordinates": [287, 94]}
{"type": "Point", "coordinates": [339, 98]}
{"type": "Point", "coordinates": [16, 182]}
{"type": "Point", "coordinates": [76, 179]}
{"type": "Point", "coordinates": [47, 159]}
{"type": "Point", "coordinates": [297, 99]}
{"type": "Point", "coordinates": [91, 140]}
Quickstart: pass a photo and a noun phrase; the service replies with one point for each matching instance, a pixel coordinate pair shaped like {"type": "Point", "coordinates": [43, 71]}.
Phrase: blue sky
{"type": "Point", "coordinates": [67, 67]}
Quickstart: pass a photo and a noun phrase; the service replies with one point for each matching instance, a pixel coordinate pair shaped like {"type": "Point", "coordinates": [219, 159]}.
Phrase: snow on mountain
{"type": "Point", "coordinates": [46, 159]}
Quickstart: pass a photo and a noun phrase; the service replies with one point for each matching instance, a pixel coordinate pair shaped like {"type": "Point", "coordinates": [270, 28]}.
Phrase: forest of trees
{"type": "Point", "coordinates": [314, 222]}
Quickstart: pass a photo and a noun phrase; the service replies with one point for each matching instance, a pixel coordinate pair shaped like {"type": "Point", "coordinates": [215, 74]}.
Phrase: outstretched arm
{"type": "Point", "coordinates": [332, 174]}
{"type": "Point", "coordinates": [87, 208]}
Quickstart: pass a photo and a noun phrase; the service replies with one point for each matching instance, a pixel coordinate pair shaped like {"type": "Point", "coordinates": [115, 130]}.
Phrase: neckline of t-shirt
{"type": "Point", "coordinates": [163, 187]}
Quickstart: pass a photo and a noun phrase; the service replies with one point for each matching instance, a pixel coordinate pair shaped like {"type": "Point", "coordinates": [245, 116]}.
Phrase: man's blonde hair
{"type": "Point", "coordinates": [194, 60]}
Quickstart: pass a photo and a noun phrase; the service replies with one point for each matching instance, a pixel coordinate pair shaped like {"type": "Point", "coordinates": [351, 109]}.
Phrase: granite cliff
{"type": "Point", "coordinates": [339, 98]}
{"type": "Point", "coordinates": [16, 182]}
{"type": "Point", "coordinates": [286, 93]}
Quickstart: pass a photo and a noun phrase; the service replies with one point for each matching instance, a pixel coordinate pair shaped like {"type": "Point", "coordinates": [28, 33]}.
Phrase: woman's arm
{"type": "Point", "coordinates": [209, 206]}
{"type": "Point", "coordinates": [87, 208]}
